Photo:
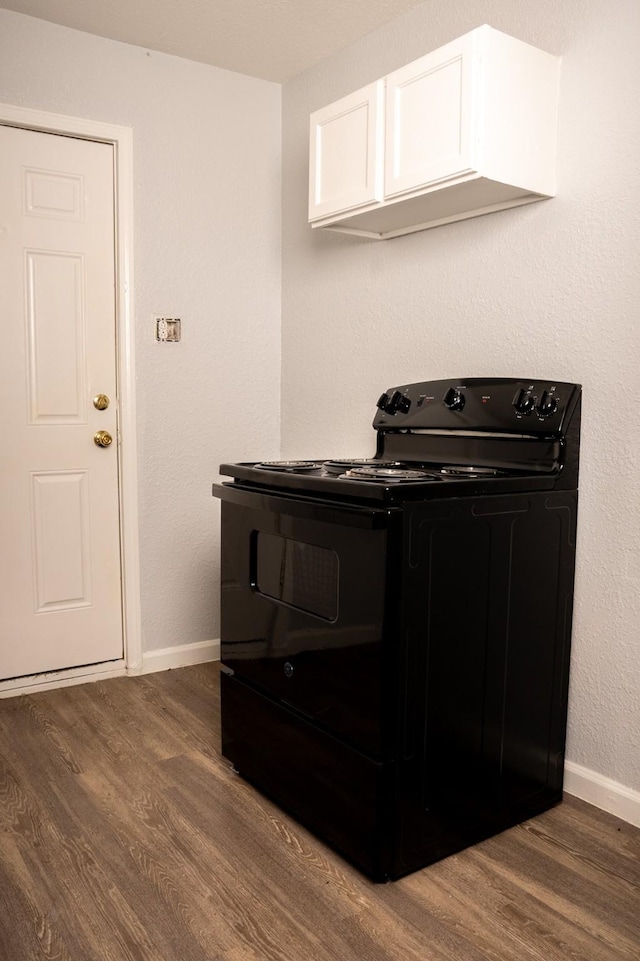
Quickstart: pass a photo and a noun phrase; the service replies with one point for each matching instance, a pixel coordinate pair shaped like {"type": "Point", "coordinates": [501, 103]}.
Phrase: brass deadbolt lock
{"type": "Point", "coordinates": [101, 402]}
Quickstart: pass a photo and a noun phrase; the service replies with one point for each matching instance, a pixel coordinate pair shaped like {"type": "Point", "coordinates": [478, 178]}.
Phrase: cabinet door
{"type": "Point", "coordinates": [346, 152]}
{"type": "Point", "coordinates": [430, 118]}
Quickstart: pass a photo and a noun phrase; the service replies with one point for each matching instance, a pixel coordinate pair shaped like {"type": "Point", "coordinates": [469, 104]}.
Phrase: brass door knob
{"type": "Point", "coordinates": [102, 438]}
{"type": "Point", "coordinates": [101, 402]}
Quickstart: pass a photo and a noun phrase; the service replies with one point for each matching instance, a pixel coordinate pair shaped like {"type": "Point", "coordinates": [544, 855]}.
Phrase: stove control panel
{"type": "Point", "coordinates": [544, 405]}
{"type": "Point", "coordinates": [499, 404]}
{"type": "Point", "coordinates": [394, 403]}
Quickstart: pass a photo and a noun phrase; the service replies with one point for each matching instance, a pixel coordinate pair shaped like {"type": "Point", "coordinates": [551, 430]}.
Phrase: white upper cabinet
{"type": "Point", "coordinates": [468, 129]}
{"type": "Point", "coordinates": [346, 153]}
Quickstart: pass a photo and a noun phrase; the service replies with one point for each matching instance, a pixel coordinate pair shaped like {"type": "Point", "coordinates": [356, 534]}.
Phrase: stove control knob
{"type": "Point", "coordinates": [383, 400]}
{"type": "Point", "coordinates": [547, 405]}
{"type": "Point", "coordinates": [394, 404]}
{"type": "Point", "coordinates": [397, 402]}
{"type": "Point", "coordinates": [523, 402]}
{"type": "Point", "coordinates": [454, 399]}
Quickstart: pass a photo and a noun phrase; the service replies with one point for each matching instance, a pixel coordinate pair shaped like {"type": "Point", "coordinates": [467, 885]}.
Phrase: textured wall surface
{"type": "Point", "coordinates": [547, 290]}
{"type": "Point", "coordinates": [207, 249]}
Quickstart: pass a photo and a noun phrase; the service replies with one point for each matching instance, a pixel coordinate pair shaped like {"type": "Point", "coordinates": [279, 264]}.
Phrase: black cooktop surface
{"type": "Point", "coordinates": [377, 479]}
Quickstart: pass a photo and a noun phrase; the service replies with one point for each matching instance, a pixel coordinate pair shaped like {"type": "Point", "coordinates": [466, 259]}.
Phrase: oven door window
{"type": "Point", "coordinates": [296, 574]}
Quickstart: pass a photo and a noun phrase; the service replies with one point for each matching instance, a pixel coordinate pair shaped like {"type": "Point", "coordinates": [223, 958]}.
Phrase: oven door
{"type": "Point", "coordinates": [306, 605]}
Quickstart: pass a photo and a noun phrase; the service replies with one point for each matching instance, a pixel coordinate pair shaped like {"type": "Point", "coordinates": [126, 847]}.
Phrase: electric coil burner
{"type": "Point", "coordinates": [290, 466]}
{"type": "Point", "coordinates": [470, 471]}
{"type": "Point", "coordinates": [392, 475]}
{"type": "Point", "coordinates": [395, 630]}
{"type": "Point", "coordinates": [341, 466]}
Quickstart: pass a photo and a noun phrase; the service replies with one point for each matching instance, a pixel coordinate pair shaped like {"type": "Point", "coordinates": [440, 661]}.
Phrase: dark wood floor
{"type": "Point", "coordinates": [124, 835]}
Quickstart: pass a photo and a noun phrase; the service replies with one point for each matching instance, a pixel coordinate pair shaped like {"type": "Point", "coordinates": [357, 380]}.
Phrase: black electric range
{"type": "Point", "coordinates": [395, 630]}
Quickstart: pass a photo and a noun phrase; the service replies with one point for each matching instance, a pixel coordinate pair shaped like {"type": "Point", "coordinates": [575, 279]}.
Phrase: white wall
{"type": "Point", "coordinates": [548, 290]}
{"type": "Point", "coordinates": [207, 249]}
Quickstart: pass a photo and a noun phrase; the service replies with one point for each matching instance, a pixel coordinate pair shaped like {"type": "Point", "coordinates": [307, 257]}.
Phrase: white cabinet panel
{"type": "Point", "coordinates": [346, 157]}
{"type": "Point", "coordinates": [429, 118]}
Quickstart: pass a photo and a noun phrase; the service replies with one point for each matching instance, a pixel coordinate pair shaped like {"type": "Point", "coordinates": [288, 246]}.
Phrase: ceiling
{"type": "Point", "coordinates": [271, 39]}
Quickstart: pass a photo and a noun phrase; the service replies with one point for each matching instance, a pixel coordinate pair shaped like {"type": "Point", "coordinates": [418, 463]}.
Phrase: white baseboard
{"type": "Point", "coordinates": [67, 678]}
{"type": "Point", "coordinates": [182, 655]}
{"type": "Point", "coordinates": [602, 792]}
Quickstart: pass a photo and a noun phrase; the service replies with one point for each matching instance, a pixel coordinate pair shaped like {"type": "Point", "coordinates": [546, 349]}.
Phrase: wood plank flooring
{"type": "Point", "coordinates": [124, 836]}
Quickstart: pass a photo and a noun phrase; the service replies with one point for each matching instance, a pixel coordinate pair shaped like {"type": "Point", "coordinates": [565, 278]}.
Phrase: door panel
{"type": "Point", "coordinates": [60, 599]}
{"type": "Point", "coordinates": [55, 337]}
{"type": "Point", "coordinates": [61, 542]}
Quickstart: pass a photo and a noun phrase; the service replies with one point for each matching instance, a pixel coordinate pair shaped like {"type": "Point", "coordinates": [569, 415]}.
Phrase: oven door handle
{"type": "Point", "coordinates": [327, 512]}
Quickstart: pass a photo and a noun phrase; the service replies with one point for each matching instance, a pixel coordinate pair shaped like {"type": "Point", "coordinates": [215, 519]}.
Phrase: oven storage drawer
{"type": "Point", "coordinates": [338, 793]}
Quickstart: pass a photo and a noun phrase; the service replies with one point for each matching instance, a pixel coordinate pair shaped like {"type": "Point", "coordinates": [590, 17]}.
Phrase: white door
{"type": "Point", "coordinates": [60, 596]}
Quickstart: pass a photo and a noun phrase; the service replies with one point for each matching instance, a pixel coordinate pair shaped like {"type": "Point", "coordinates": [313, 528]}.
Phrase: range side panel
{"type": "Point", "coordinates": [486, 659]}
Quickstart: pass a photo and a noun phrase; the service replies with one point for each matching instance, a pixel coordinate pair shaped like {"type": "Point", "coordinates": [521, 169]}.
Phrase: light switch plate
{"type": "Point", "coordinates": [167, 330]}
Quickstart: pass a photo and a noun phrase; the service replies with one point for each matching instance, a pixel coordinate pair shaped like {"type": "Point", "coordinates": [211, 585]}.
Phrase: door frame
{"type": "Point", "coordinates": [121, 138]}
